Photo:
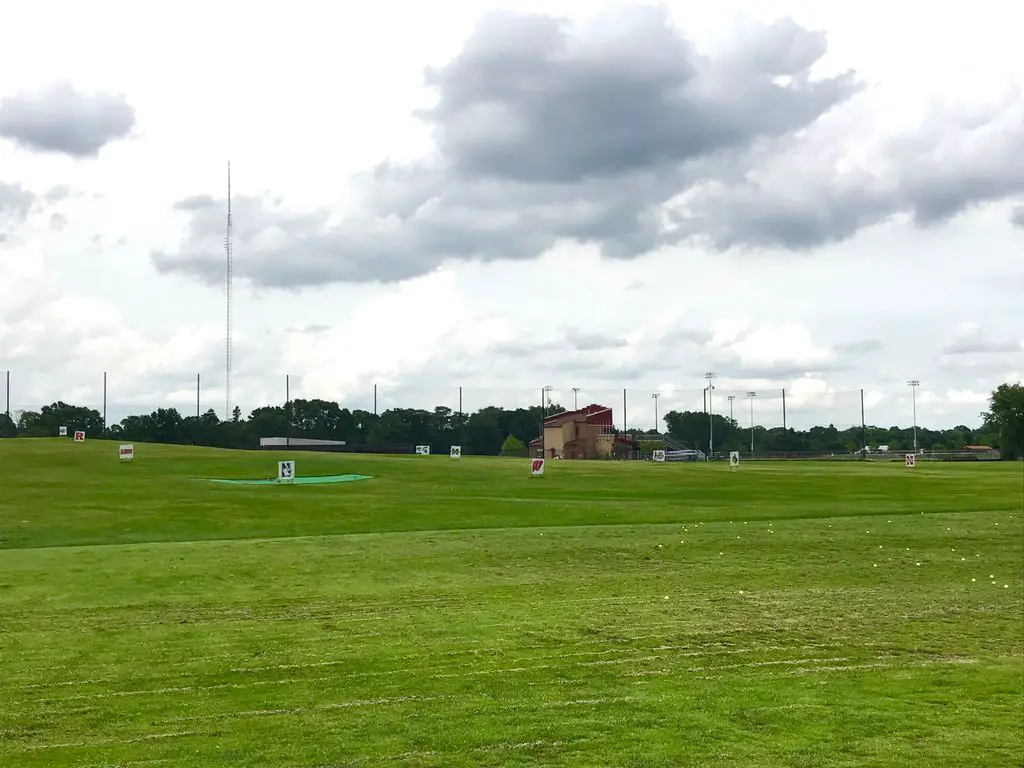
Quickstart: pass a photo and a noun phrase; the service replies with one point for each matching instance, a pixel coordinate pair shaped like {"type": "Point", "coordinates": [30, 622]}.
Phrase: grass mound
{"type": "Point", "coordinates": [301, 480]}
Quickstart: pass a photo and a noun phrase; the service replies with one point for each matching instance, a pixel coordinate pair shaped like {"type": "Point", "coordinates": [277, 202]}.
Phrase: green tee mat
{"type": "Point", "coordinates": [321, 480]}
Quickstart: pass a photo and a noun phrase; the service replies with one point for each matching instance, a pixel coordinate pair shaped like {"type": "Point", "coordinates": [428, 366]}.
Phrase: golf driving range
{"type": "Point", "coordinates": [442, 612]}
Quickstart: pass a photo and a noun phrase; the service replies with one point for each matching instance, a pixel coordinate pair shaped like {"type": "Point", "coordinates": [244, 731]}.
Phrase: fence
{"type": "Point", "coordinates": [807, 406]}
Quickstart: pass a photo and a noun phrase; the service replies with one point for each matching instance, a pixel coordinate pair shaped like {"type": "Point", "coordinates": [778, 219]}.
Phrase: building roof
{"type": "Point", "coordinates": [582, 414]}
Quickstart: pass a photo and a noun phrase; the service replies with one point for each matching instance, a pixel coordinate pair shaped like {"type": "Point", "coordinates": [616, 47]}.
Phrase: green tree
{"type": "Point", "coordinates": [48, 420]}
{"type": "Point", "coordinates": [484, 431]}
{"type": "Point", "coordinates": [7, 426]}
{"type": "Point", "coordinates": [1005, 418]}
{"type": "Point", "coordinates": [513, 446]}
{"type": "Point", "coordinates": [694, 430]}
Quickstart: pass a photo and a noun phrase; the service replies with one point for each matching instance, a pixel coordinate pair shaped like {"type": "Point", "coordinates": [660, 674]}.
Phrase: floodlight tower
{"type": "Point", "coordinates": [711, 376]}
{"type": "Point", "coordinates": [575, 398]}
{"type": "Point", "coordinates": [914, 384]}
{"type": "Point", "coordinates": [654, 397]}
{"type": "Point", "coordinates": [731, 398]}
{"type": "Point", "coordinates": [228, 293]}
{"type": "Point", "coordinates": [751, 396]}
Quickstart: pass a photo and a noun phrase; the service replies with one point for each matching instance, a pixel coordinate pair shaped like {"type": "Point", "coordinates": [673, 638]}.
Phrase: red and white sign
{"type": "Point", "coordinates": [126, 452]}
{"type": "Point", "coordinates": [911, 460]}
{"type": "Point", "coordinates": [79, 436]}
{"type": "Point", "coordinates": [537, 467]}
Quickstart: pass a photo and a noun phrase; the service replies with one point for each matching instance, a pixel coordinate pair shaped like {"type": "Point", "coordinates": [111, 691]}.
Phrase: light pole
{"type": "Point", "coordinates": [731, 398]}
{"type": "Point", "coordinates": [547, 399]}
{"type": "Point", "coordinates": [914, 384]}
{"type": "Point", "coordinates": [654, 397]}
{"type": "Point", "coordinates": [711, 376]}
{"type": "Point", "coordinates": [575, 398]}
{"type": "Point", "coordinates": [751, 396]}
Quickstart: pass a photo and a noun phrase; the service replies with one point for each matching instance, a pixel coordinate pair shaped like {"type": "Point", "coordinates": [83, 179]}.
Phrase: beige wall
{"type": "Point", "coordinates": [553, 439]}
{"type": "Point", "coordinates": [592, 442]}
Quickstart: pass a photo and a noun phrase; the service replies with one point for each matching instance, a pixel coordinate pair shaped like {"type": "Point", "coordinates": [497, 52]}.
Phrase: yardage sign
{"type": "Point", "coordinates": [126, 452]}
{"type": "Point", "coordinates": [537, 466]}
{"type": "Point", "coordinates": [79, 436]}
{"type": "Point", "coordinates": [658, 455]}
{"type": "Point", "coordinates": [285, 471]}
{"type": "Point", "coordinates": [911, 459]}
{"type": "Point", "coordinates": [734, 458]}
{"type": "Point", "coordinates": [456, 452]}
{"type": "Point", "coordinates": [62, 431]}
{"type": "Point", "coordinates": [422, 450]}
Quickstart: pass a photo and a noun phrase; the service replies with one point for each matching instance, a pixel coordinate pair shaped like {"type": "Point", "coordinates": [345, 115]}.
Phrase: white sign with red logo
{"type": "Point", "coordinates": [537, 467]}
{"type": "Point", "coordinates": [911, 459]}
{"type": "Point", "coordinates": [126, 452]}
{"type": "Point", "coordinates": [79, 436]}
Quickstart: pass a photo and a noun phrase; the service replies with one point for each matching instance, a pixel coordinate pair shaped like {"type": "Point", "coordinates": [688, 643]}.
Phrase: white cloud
{"type": "Point", "coordinates": [892, 302]}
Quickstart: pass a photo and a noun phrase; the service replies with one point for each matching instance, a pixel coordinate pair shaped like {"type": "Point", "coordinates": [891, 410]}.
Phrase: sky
{"type": "Point", "coordinates": [477, 202]}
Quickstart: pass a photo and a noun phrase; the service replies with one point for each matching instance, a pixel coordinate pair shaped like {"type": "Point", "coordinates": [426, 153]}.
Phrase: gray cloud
{"type": "Point", "coordinates": [861, 346]}
{"type": "Point", "coordinates": [311, 328]}
{"type": "Point", "coordinates": [976, 342]}
{"type": "Point", "coordinates": [59, 118]}
{"type": "Point", "coordinates": [15, 204]}
{"type": "Point", "coordinates": [588, 342]}
{"type": "Point", "coordinates": [58, 194]}
{"type": "Point", "coordinates": [797, 198]}
{"type": "Point", "coordinates": [1017, 216]}
{"type": "Point", "coordinates": [544, 132]}
{"type": "Point", "coordinates": [618, 133]}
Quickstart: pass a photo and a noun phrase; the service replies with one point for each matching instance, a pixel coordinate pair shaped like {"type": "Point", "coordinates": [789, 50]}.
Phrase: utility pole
{"type": "Point", "coordinates": [711, 376]}
{"type": "Point", "coordinates": [914, 384]}
{"type": "Point", "coordinates": [751, 396]}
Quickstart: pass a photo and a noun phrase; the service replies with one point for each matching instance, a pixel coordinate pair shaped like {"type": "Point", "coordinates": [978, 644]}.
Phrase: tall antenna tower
{"type": "Point", "coordinates": [230, 280]}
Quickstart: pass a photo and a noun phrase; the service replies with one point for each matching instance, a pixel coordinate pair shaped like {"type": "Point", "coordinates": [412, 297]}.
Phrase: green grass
{"type": "Point", "coordinates": [462, 613]}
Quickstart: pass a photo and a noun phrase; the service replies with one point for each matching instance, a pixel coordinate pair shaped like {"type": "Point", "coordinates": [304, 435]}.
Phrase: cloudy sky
{"type": "Point", "coordinates": [821, 197]}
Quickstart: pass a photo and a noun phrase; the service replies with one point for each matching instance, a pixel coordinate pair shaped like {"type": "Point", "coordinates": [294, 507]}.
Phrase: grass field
{"type": "Point", "coordinates": [462, 613]}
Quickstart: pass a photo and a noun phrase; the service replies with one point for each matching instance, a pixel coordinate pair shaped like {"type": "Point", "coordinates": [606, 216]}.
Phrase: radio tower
{"type": "Point", "coordinates": [227, 346]}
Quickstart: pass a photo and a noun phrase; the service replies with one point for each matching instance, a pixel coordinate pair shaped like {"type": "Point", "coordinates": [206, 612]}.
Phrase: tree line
{"type": "Point", "coordinates": [493, 430]}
